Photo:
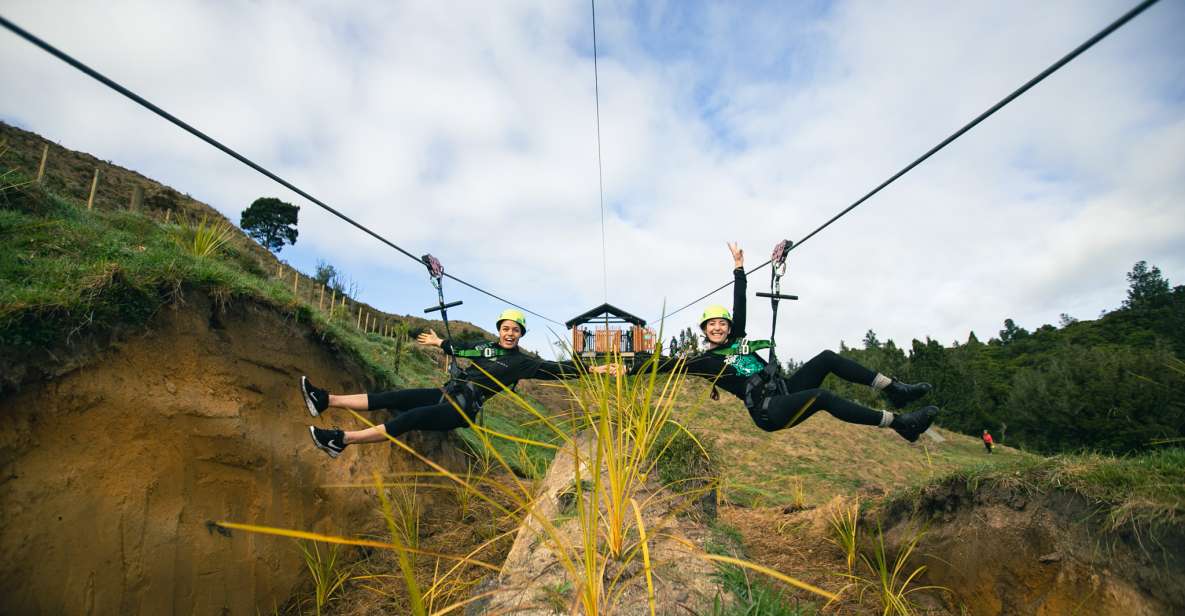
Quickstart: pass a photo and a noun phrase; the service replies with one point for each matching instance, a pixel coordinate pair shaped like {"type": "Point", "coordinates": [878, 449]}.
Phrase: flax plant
{"type": "Point", "coordinates": [204, 238]}
{"type": "Point", "coordinates": [843, 528]}
{"type": "Point", "coordinates": [891, 579]}
{"type": "Point", "coordinates": [328, 576]}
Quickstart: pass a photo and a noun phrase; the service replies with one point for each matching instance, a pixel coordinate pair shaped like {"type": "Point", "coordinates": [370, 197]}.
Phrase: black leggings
{"type": "Point", "coordinates": [806, 398]}
{"type": "Point", "coordinates": [416, 409]}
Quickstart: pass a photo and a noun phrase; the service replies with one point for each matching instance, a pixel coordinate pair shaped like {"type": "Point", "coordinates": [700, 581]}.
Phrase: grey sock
{"type": "Point", "coordinates": [886, 419]}
{"type": "Point", "coordinates": [880, 381]}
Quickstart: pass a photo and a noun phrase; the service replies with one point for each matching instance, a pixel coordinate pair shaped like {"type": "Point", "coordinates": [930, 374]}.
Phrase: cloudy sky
{"type": "Point", "coordinates": [468, 130]}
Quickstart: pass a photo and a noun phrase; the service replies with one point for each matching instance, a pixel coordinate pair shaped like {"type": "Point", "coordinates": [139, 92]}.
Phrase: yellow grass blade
{"type": "Point", "coordinates": [370, 543]}
{"type": "Point", "coordinates": [760, 569]}
{"type": "Point", "coordinates": [645, 554]}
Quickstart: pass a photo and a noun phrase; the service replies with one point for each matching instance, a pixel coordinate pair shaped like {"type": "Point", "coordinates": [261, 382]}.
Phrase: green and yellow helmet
{"type": "Point", "coordinates": [715, 311]}
{"type": "Point", "coordinates": [511, 314]}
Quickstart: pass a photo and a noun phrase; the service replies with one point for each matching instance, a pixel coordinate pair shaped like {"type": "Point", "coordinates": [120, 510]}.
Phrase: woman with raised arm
{"type": "Point", "coordinates": [430, 409]}
{"type": "Point", "coordinates": [731, 363]}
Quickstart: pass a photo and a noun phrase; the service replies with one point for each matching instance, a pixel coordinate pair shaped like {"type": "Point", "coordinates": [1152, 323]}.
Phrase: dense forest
{"type": "Point", "coordinates": [1114, 384]}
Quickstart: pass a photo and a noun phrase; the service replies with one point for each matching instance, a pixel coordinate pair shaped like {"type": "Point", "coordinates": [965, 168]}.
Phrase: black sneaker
{"type": "Point", "coordinates": [911, 425]}
{"type": "Point", "coordinates": [332, 442]}
{"type": "Point", "coordinates": [316, 399]}
{"type": "Point", "coordinates": [901, 394]}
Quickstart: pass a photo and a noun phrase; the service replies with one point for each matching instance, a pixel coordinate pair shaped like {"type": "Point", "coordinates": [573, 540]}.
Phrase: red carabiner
{"type": "Point", "coordinates": [780, 252]}
{"type": "Point", "coordinates": [435, 269]}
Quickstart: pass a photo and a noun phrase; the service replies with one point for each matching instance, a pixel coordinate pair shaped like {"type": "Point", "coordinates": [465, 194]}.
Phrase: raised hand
{"type": "Point", "coordinates": [738, 255]}
{"type": "Point", "coordinates": [429, 338]}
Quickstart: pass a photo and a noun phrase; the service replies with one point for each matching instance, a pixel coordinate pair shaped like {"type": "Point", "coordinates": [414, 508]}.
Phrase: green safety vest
{"type": "Point", "coordinates": [744, 346]}
{"type": "Point", "coordinates": [740, 356]}
{"type": "Point", "coordinates": [482, 351]}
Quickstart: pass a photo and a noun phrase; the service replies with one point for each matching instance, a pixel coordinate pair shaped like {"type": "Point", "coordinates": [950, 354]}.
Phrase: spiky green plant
{"type": "Point", "coordinates": [204, 238]}
{"type": "Point", "coordinates": [891, 578]}
{"type": "Point", "coordinates": [325, 569]}
{"type": "Point", "coordinates": [843, 521]}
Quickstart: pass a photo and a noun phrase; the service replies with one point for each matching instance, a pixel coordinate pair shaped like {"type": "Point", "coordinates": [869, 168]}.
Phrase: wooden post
{"type": "Point", "coordinates": [41, 167]}
{"type": "Point", "coordinates": [359, 323]}
{"type": "Point", "coordinates": [137, 197]}
{"type": "Point", "coordinates": [90, 201]}
{"type": "Point", "coordinates": [332, 303]}
{"type": "Point", "coordinates": [321, 300]}
{"type": "Point", "coordinates": [168, 213]}
{"type": "Point", "coordinates": [295, 282]}
{"type": "Point", "coordinates": [280, 270]}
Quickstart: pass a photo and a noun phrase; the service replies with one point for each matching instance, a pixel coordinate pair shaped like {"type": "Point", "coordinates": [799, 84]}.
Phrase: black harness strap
{"type": "Point", "coordinates": [455, 390]}
{"type": "Point", "coordinates": [768, 383]}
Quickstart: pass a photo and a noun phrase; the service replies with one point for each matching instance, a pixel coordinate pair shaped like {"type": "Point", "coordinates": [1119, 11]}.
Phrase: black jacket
{"type": "Point", "coordinates": [510, 368]}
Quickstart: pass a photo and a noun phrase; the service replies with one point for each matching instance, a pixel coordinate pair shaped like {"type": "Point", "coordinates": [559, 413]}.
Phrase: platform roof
{"type": "Point", "coordinates": [598, 315]}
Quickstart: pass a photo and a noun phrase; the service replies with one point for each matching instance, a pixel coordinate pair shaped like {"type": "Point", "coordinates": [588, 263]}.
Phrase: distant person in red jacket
{"type": "Point", "coordinates": [987, 441]}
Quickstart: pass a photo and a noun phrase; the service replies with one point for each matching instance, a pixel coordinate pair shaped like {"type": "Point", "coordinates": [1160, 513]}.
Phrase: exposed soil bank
{"type": "Point", "coordinates": [111, 474]}
{"type": "Point", "coordinates": [1015, 550]}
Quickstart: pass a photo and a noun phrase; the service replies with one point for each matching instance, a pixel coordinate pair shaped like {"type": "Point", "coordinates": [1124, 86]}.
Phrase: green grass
{"type": "Point", "coordinates": [1146, 490]}
{"type": "Point", "coordinates": [827, 456]}
{"type": "Point", "coordinates": [752, 595]}
{"type": "Point", "coordinates": [501, 415]}
{"type": "Point", "coordinates": [71, 272]}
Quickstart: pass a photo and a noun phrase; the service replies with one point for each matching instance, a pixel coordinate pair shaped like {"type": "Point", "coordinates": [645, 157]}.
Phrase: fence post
{"type": "Point", "coordinates": [280, 271]}
{"type": "Point", "coordinates": [41, 167]}
{"type": "Point", "coordinates": [90, 201]}
{"type": "Point", "coordinates": [295, 282]}
{"type": "Point", "coordinates": [332, 303]}
{"type": "Point", "coordinates": [137, 197]}
{"type": "Point", "coordinates": [321, 300]}
{"type": "Point", "coordinates": [359, 323]}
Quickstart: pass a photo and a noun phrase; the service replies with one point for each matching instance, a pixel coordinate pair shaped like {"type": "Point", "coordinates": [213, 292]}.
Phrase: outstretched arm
{"type": "Point", "coordinates": [739, 289]}
{"type": "Point", "coordinates": [429, 338]}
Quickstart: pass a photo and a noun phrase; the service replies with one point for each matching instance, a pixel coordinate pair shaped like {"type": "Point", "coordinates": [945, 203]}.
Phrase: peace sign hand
{"type": "Point", "coordinates": [738, 255]}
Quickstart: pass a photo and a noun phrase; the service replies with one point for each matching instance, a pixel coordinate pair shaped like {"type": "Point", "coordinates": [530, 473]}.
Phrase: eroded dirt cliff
{"type": "Point", "coordinates": [112, 474]}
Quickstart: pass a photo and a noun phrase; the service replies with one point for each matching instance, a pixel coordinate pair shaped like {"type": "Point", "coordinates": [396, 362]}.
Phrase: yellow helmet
{"type": "Point", "coordinates": [511, 314]}
{"type": "Point", "coordinates": [715, 311]}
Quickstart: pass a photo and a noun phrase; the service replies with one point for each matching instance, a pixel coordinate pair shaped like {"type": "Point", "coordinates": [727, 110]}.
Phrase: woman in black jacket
{"type": "Point", "coordinates": [430, 409]}
{"type": "Point", "coordinates": [732, 364]}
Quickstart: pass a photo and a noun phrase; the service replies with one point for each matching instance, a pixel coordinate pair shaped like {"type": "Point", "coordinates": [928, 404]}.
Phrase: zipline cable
{"type": "Point", "coordinates": [600, 168]}
{"type": "Point", "coordinates": [63, 56]}
{"type": "Point", "coordinates": [1140, 8]}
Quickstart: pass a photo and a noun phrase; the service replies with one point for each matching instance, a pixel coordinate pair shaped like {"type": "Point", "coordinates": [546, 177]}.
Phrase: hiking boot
{"type": "Point", "coordinates": [316, 399]}
{"type": "Point", "coordinates": [332, 442]}
{"type": "Point", "coordinates": [911, 425]}
{"type": "Point", "coordinates": [901, 394]}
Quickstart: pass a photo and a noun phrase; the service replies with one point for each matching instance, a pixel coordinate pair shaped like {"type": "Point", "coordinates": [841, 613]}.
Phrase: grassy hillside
{"type": "Point", "coordinates": [823, 455]}
{"type": "Point", "coordinates": [76, 281]}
